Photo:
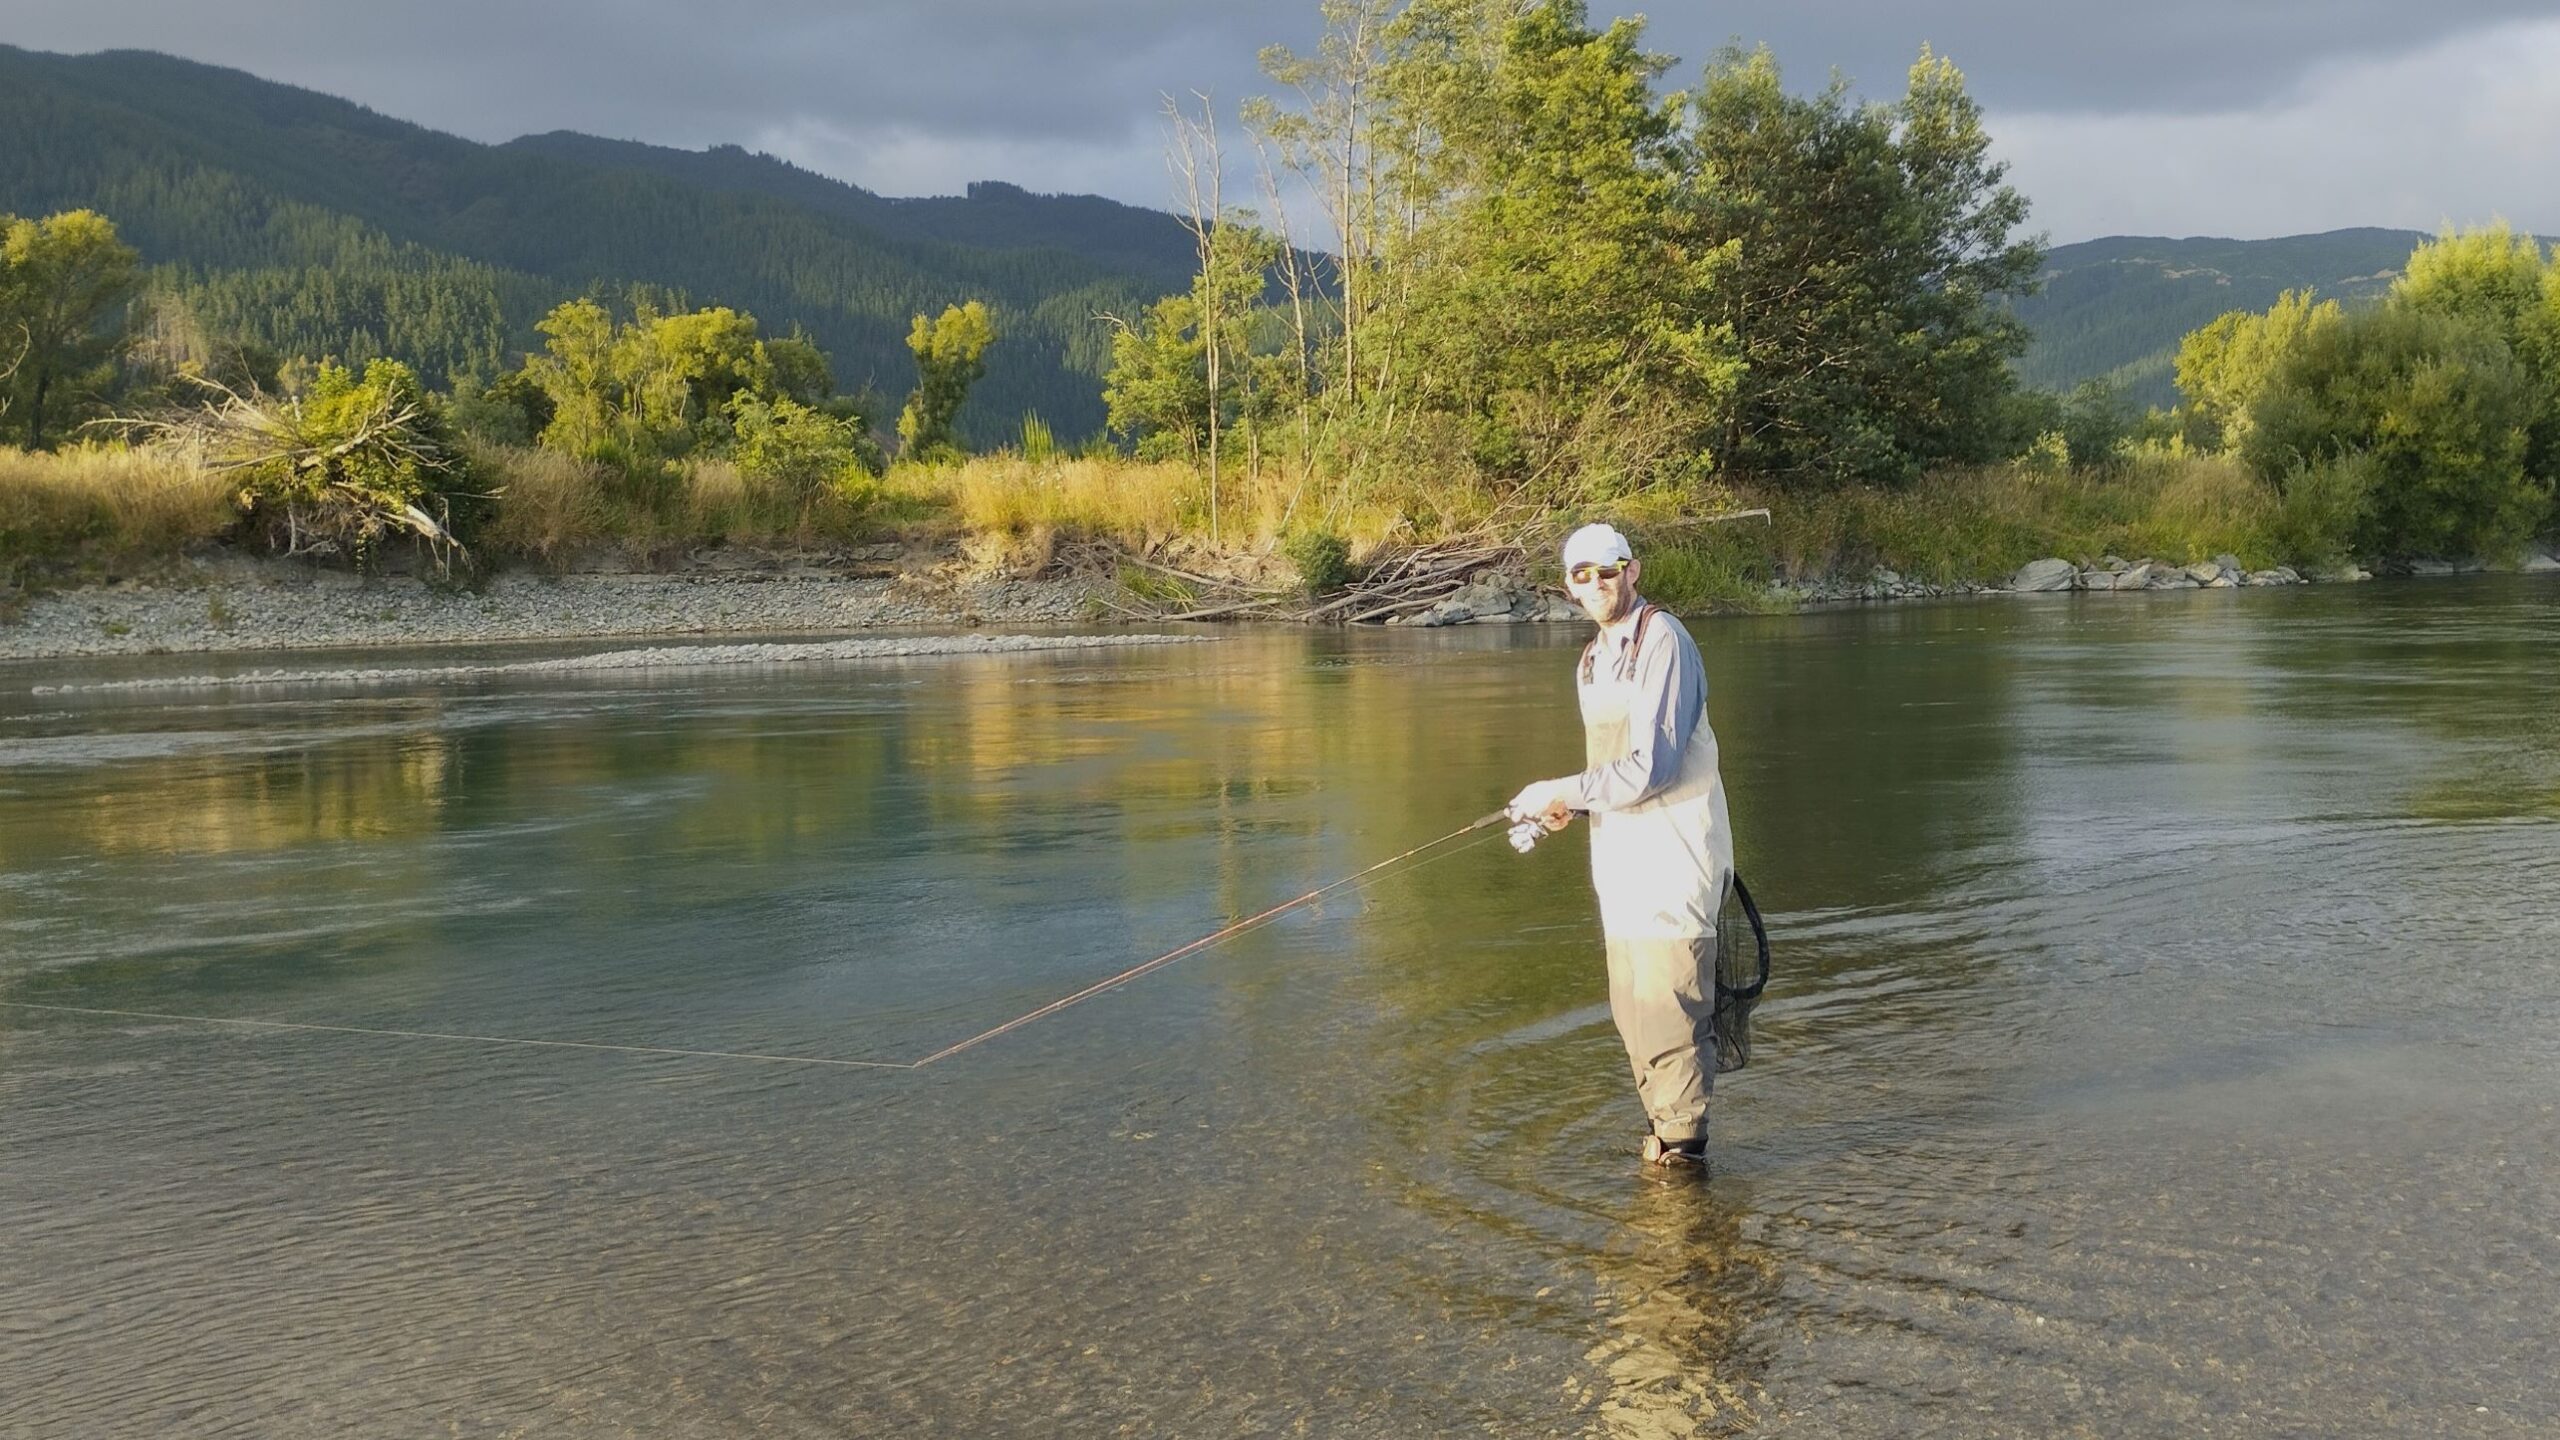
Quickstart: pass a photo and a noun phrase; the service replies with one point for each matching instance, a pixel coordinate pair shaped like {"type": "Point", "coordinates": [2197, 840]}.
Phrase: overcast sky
{"type": "Point", "coordinates": [2182, 117]}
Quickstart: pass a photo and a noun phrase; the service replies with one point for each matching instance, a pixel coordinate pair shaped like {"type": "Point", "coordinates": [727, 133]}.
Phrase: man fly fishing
{"type": "Point", "coordinates": [1661, 849]}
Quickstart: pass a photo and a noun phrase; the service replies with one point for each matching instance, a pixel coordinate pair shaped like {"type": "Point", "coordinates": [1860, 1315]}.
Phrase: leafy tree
{"type": "Point", "coordinates": [660, 385]}
{"type": "Point", "coordinates": [513, 409]}
{"type": "Point", "coordinates": [950, 351]}
{"type": "Point", "coordinates": [1542, 303]}
{"type": "Point", "coordinates": [1872, 246]}
{"type": "Point", "coordinates": [1157, 394]}
{"type": "Point", "coordinates": [2095, 425]}
{"type": "Point", "coordinates": [2224, 366]}
{"type": "Point", "coordinates": [798, 447]}
{"type": "Point", "coordinates": [2496, 281]}
{"type": "Point", "coordinates": [800, 369]}
{"type": "Point", "coordinates": [64, 284]}
{"type": "Point", "coordinates": [1165, 368]}
{"type": "Point", "coordinates": [2440, 406]}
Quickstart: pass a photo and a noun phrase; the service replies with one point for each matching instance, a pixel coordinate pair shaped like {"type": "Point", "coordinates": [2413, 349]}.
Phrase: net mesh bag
{"type": "Point", "coordinates": [1742, 972]}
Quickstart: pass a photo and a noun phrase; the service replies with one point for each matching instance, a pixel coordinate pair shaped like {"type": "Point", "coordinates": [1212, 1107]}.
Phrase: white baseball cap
{"type": "Point", "coordinates": [1596, 545]}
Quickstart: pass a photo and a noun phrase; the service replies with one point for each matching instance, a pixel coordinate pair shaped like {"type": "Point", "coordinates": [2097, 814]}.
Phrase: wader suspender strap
{"type": "Point", "coordinates": [1627, 663]}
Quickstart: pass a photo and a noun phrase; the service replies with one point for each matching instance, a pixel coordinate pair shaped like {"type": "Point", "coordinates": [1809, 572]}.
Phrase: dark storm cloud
{"type": "Point", "coordinates": [1065, 94]}
{"type": "Point", "coordinates": [1045, 70]}
{"type": "Point", "coordinates": [2167, 55]}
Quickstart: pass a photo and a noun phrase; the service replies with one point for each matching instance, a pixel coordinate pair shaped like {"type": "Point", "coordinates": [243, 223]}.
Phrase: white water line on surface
{"type": "Point", "coordinates": [1052, 1008]}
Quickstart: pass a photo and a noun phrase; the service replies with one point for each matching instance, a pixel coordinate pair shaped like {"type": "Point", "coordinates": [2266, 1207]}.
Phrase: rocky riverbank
{"type": "Point", "coordinates": [236, 603]}
{"type": "Point", "coordinates": [242, 604]}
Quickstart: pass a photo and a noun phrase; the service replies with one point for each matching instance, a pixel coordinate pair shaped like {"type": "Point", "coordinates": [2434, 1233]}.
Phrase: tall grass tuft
{"type": "Point", "coordinates": [551, 506]}
{"type": "Point", "coordinates": [107, 508]}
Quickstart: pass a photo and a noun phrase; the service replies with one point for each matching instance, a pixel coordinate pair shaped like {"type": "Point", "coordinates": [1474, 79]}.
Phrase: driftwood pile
{"type": "Point", "coordinates": [1398, 582]}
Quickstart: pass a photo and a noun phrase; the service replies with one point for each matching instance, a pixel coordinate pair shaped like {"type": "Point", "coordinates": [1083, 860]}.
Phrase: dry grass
{"type": "Point", "coordinates": [110, 507]}
{"type": "Point", "coordinates": [1013, 508]}
{"type": "Point", "coordinates": [551, 506]}
{"type": "Point", "coordinates": [116, 508]}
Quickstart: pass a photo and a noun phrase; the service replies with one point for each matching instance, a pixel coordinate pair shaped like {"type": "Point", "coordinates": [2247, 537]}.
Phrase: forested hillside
{"type": "Point", "coordinates": [2116, 308]}
{"type": "Point", "coordinates": [308, 225]}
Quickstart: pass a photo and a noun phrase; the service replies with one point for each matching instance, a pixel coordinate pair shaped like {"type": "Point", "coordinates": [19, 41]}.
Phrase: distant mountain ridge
{"type": "Point", "coordinates": [2117, 307]}
{"type": "Point", "coordinates": [311, 223]}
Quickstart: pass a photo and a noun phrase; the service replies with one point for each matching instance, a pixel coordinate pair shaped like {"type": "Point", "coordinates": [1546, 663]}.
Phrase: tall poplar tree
{"type": "Point", "coordinates": [64, 284]}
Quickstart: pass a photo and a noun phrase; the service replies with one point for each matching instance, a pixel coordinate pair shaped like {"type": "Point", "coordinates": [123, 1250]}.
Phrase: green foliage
{"type": "Point", "coordinates": [64, 284]}
{"type": "Point", "coordinates": [950, 352]}
{"type": "Point", "coordinates": [2496, 282]}
{"type": "Point", "coordinates": [800, 449]}
{"type": "Point", "coordinates": [1545, 311]}
{"type": "Point", "coordinates": [1323, 560]}
{"type": "Point", "coordinates": [656, 388]}
{"type": "Point", "coordinates": [510, 410]}
{"type": "Point", "coordinates": [2438, 405]}
{"type": "Point", "coordinates": [1717, 568]}
{"type": "Point", "coordinates": [2325, 508]}
{"type": "Point", "coordinates": [1039, 442]}
{"type": "Point", "coordinates": [2224, 366]}
{"type": "Point", "coordinates": [2095, 426]}
{"type": "Point", "coordinates": [1158, 392]}
{"type": "Point", "coordinates": [1873, 244]}
{"type": "Point", "coordinates": [1157, 395]}
{"type": "Point", "coordinates": [349, 463]}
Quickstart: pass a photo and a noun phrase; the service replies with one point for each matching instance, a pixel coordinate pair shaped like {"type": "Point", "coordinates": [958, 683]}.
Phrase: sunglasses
{"type": "Point", "coordinates": [1585, 574]}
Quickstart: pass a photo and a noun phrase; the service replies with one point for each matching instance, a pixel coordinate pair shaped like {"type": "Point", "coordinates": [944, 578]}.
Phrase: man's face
{"type": "Point", "coordinates": [1605, 592]}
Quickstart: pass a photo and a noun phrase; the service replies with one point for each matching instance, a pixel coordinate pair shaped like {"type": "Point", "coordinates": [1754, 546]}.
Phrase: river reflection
{"type": "Point", "coordinates": [2162, 1043]}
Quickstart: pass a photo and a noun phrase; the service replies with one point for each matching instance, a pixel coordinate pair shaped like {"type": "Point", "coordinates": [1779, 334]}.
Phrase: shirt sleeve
{"type": "Point", "coordinates": [1670, 695]}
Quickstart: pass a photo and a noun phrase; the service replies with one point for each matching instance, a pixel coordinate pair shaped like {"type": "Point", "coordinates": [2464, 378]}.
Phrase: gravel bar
{"type": "Point", "coordinates": [281, 606]}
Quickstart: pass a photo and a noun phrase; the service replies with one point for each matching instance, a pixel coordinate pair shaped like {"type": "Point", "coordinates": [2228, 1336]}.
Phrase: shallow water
{"type": "Point", "coordinates": [2162, 1043]}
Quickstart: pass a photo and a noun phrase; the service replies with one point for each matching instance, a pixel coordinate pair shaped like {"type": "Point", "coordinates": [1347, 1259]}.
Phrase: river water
{"type": "Point", "coordinates": [2165, 1041]}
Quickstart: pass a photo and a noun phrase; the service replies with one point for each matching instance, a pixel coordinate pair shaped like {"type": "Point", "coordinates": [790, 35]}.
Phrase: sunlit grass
{"type": "Point", "coordinates": [108, 506]}
{"type": "Point", "coordinates": [550, 507]}
{"type": "Point", "coordinates": [123, 507]}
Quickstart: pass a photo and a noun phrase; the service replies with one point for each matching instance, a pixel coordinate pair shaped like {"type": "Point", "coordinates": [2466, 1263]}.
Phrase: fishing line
{"type": "Point", "coordinates": [475, 1039]}
{"type": "Point", "coordinates": [1204, 942]}
{"type": "Point", "coordinates": [1045, 1011]}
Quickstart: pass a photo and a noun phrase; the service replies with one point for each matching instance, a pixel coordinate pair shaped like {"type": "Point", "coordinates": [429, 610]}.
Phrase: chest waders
{"type": "Point", "coordinates": [1662, 869]}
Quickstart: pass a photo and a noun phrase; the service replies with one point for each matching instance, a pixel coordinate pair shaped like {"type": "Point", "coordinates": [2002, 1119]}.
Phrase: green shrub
{"type": "Point", "coordinates": [2324, 510]}
{"type": "Point", "coordinates": [1323, 560]}
{"type": "Point", "coordinates": [2440, 406]}
{"type": "Point", "coordinates": [795, 447]}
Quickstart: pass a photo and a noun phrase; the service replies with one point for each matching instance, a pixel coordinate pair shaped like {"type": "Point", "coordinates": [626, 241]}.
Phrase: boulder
{"type": "Point", "coordinates": [2137, 578]}
{"type": "Point", "coordinates": [2538, 562]}
{"type": "Point", "coordinates": [2041, 575]}
{"type": "Point", "coordinates": [2266, 577]}
{"type": "Point", "coordinates": [2430, 567]}
{"type": "Point", "coordinates": [2204, 573]}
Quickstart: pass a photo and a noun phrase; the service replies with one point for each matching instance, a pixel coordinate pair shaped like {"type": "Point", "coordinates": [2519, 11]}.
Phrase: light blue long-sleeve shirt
{"type": "Point", "coordinates": [1670, 695]}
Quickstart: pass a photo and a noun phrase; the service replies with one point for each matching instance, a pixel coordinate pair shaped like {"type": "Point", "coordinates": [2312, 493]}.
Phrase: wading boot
{"type": "Point", "coordinates": [1670, 1158]}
